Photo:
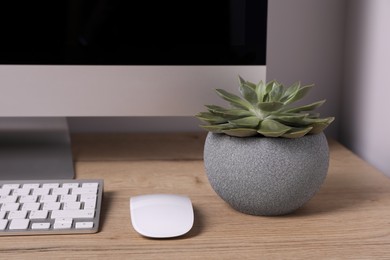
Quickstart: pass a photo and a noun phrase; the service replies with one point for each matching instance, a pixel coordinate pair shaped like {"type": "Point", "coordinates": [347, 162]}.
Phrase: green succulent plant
{"type": "Point", "coordinates": [265, 110]}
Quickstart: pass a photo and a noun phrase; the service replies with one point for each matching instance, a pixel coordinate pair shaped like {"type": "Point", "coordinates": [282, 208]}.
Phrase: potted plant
{"type": "Point", "coordinates": [261, 155]}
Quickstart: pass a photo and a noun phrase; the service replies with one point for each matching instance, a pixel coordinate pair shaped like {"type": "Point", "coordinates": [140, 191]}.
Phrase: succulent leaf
{"type": "Point", "coordinates": [251, 121]}
{"type": "Point", "coordinates": [289, 91]}
{"type": "Point", "coordinates": [292, 119]}
{"type": "Point", "coordinates": [260, 91]}
{"type": "Point", "coordinates": [270, 106]}
{"type": "Point", "coordinates": [248, 93]}
{"type": "Point", "coordinates": [306, 107]}
{"type": "Point", "coordinates": [248, 83]}
{"type": "Point", "coordinates": [218, 128]}
{"type": "Point", "coordinates": [298, 94]}
{"type": "Point", "coordinates": [297, 132]}
{"type": "Point", "coordinates": [240, 132]}
{"type": "Point", "coordinates": [210, 118]}
{"type": "Point", "coordinates": [241, 80]}
{"type": "Point", "coordinates": [276, 93]}
{"type": "Point", "coordinates": [272, 128]}
{"type": "Point", "coordinates": [233, 99]}
{"type": "Point", "coordinates": [312, 121]}
{"type": "Point", "coordinates": [319, 127]}
{"type": "Point", "coordinates": [265, 109]}
{"type": "Point", "coordinates": [228, 113]}
{"type": "Point", "coordinates": [269, 86]}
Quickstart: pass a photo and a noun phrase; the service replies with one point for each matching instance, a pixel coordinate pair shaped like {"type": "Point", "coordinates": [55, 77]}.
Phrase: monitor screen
{"type": "Point", "coordinates": [122, 32]}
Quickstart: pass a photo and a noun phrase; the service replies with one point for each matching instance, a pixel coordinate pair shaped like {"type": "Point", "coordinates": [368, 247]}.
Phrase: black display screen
{"type": "Point", "coordinates": [128, 32]}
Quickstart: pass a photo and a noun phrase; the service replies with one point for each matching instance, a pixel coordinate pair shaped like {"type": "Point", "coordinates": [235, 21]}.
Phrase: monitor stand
{"type": "Point", "coordinates": [35, 148]}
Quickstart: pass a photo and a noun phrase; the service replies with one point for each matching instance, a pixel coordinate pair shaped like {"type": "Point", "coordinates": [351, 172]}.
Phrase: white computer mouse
{"type": "Point", "coordinates": [161, 215]}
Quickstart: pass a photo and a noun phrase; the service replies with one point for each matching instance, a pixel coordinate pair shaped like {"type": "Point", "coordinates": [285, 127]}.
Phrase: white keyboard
{"type": "Point", "coordinates": [50, 206]}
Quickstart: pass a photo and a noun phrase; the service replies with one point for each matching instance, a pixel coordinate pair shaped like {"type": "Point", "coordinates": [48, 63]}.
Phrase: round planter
{"type": "Point", "coordinates": [266, 176]}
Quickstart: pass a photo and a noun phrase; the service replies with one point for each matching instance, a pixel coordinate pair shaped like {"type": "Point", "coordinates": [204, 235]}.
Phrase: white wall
{"type": "Point", "coordinates": [365, 124]}
{"type": "Point", "coordinates": [305, 43]}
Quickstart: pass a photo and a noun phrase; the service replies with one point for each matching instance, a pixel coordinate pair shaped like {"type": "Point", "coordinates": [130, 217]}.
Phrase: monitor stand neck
{"type": "Point", "coordinates": [35, 148]}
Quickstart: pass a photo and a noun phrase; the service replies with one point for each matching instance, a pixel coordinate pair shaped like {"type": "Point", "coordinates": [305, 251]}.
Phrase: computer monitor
{"type": "Point", "coordinates": [88, 58]}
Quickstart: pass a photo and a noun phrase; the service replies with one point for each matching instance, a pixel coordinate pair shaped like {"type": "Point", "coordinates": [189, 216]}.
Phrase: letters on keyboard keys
{"type": "Point", "coordinates": [50, 207]}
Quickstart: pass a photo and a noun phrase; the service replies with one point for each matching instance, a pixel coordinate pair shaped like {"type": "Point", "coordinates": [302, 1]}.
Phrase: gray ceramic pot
{"type": "Point", "coordinates": [266, 176]}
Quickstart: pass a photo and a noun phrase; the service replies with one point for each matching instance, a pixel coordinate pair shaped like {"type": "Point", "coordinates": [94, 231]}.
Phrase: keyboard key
{"type": "Point", "coordinates": [89, 204]}
{"type": "Point", "coordinates": [38, 214]}
{"type": "Point", "coordinates": [10, 206]}
{"type": "Point", "coordinates": [50, 185]}
{"type": "Point", "coordinates": [81, 225]}
{"type": "Point", "coordinates": [8, 199]}
{"type": "Point", "coordinates": [21, 192]}
{"type": "Point", "coordinates": [11, 186]}
{"type": "Point", "coordinates": [41, 191]}
{"type": "Point", "coordinates": [64, 220]}
{"type": "Point", "coordinates": [70, 185]}
{"type": "Point", "coordinates": [48, 198]}
{"type": "Point", "coordinates": [28, 198]}
{"type": "Point", "coordinates": [84, 190]}
{"type": "Point", "coordinates": [71, 205]}
{"type": "Point", "coordinates": [5, 191]}
{"type": "Point", "coordinates": [68, 198]}
{"type": "Point", "coordinates": [60, 191]}
{"type": "Point", "coordinates": [62, 225]}
{"type": "Point", "coordinates": [30, 185]}
{"type": "Point", "coordinates": [51, 206]}
{"type": "Point", "coordinates": [3, 224]}
{"type": "Point", "coordinates": [17, 214]}
{"type": "Point", "coordinates": [45, 225]}
{"type": "Point", "coordinates": [31, 206]}
{"type": "Point", "coordinates": [73, 213]}
{"type": "Point", "coordinates": [87, 197]}
{"type": "Point", "coordinates": [19, 224]}
{"type": "Point", "coordinates": [90, 185]}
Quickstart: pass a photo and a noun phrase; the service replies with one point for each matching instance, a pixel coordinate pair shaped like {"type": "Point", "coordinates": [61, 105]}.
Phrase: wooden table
{"type": "Point", "coordinates": [349, 218]}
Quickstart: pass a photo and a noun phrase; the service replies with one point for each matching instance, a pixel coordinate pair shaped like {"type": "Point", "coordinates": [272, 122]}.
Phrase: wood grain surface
{"type": "Point", "coordinates": [348, 219]}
